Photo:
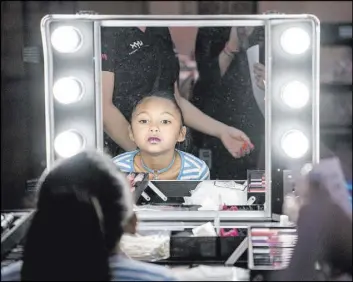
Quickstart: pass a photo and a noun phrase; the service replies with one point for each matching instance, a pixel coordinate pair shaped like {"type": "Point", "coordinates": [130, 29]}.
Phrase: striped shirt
{"type": "Point", "coordinates": [192, 168]}
{"type": "Point", "coordinates": [122, 269]}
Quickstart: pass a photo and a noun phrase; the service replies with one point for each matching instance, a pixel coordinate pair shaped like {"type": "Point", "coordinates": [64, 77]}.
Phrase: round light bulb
{"type": "Point", "coordinates": [68, 90]}
{"type": "Point", "coordinates": [295, 144]}
{"type": "Point", "coordinates": [68, 143]}
{"type": "Point", "coordinates": [295, 94]}
{"type": "Point", "coordinates": [295, 40]}
{"type": "Point", "coordinates": [66, 39]}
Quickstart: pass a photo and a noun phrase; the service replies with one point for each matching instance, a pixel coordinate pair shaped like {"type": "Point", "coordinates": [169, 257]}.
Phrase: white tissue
{"type": "Point", "coordinates": [205, 230]}
{"type": "Point", "coordinates": [212, 273]}
{"type": "Point", "coordinates": [209, 205]}
{"type": "Point", "coordinates": [207, 189]}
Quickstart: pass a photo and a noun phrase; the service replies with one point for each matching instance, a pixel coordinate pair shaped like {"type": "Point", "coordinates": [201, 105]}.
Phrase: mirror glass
{"type": "Point", "coordinates": [176, 100]}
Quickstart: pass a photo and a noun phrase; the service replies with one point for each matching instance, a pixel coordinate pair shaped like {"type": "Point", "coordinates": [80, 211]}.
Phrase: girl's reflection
{"type": "Point", "coordinates": [137, 61]}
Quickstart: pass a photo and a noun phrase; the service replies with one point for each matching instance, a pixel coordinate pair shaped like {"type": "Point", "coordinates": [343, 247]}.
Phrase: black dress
{"type": "Point", "coordinates": [141, 62]}
{"type": "Point", "coordinates": [228, 99]}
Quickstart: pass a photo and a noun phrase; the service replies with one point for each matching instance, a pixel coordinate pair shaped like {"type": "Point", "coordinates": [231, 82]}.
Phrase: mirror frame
{"type": "Point", "coordinates": [98, 21]}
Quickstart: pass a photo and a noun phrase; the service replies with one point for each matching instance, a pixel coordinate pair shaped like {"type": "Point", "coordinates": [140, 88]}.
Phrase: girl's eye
{"type": "Point", "coordinates": [166, 121]}
{"type": "Point", "coordinates": [143, 121]}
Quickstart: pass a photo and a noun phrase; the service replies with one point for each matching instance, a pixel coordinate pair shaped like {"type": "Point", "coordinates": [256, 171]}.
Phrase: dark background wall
{"type": "Point", "coordinates": [22, 94]}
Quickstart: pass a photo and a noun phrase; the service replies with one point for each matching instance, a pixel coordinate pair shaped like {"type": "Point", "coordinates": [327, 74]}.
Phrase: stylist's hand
{"type": "Point", "coordinates": [236, 141]}
{"type": "Point", "coordinates": [259, 71]}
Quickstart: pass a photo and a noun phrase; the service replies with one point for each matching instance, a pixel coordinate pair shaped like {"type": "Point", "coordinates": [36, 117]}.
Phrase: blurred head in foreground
{"type": "Point", "coordinates": [84, 206]}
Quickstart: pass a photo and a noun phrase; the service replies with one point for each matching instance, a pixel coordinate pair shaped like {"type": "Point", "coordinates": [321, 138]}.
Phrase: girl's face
{"type": "Point", "coordinates": [156, 126]}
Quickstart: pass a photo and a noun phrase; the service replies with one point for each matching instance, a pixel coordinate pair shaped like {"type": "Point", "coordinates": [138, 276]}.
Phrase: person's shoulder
{"type": "Point", "coordinates": [125, 155]}
{"type": "Point", "coordinates": [11, 272]}
{"type": "Point", "coordinates": [192, 159]}
{"type": "Point", "coordinates": [125, 269]}
{"type": "Point", "coordinates": [125, 160]}
{"type": "Point", "coordinates": [114, 31]}
{"type": "Point", "coordinates": [115, 37]}
{"type": "Point", "coordinates": [194, 165]}
{"type": "Point", "coordinates": [161, 30]}
{"type": "Point", "coordinates": [162, 34]}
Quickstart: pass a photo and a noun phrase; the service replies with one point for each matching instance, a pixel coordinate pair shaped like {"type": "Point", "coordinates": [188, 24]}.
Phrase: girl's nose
{"type": "Point", "coordinates": [154, 129]}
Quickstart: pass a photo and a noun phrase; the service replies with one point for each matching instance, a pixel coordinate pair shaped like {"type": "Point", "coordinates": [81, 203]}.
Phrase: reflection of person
{"type": "Point", "coordinates": [156, 127]}
{"type": "Point", "coordinates": [84, 207]}
{"type": "Point", "coordinates": [136, 61]}
{"type": "Point", "coordinates": [224, 92]}
{"type": "Point", "coordinates": [324, 234]}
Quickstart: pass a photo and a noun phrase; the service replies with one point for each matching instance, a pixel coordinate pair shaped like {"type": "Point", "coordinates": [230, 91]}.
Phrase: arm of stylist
{"type": "Point", "coordinates": [114, 122]}
{"type": "Point", "coordinates": [236, 142]}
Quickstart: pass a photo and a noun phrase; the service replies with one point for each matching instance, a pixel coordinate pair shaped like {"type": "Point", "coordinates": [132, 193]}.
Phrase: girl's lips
{"type": "Point", "coordinates": [154, 140]}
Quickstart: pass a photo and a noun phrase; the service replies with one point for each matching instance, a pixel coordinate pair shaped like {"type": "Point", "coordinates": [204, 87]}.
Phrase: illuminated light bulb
{"type": "Point", "coordinates": [68, 143]}
{"type": "Point", "coordinates": [295, 94]}
{"type": "Point", "coordinates": [295, 144]}
{"type": "Point", "coordinates": [66, 39]}
{"type": "Point", "coordinates": [295, 41]}
{"type": "Point", "coordinates": [68, 90]}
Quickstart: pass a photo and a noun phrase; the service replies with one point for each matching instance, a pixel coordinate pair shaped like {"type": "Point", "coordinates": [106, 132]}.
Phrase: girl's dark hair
{"type": "Point", "coordinates": [82, 208]}
{"type": "Point", "coordinates": [161, 94]}
{"type": "Point", "coordinates": [169, 95]}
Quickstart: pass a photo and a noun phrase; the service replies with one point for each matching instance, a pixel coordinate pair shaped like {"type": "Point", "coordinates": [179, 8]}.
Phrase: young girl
{"type": "Point", "coordinates": [156, 127]}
